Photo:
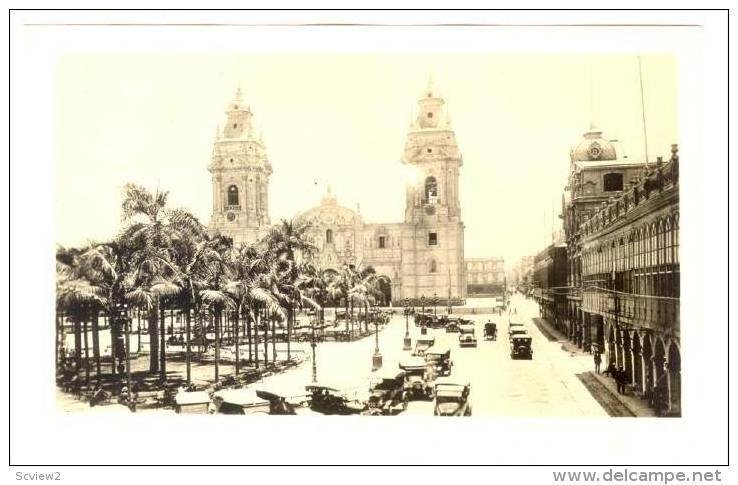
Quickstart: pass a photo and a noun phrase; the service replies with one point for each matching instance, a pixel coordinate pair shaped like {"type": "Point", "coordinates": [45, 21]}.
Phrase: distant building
{"type": "Point", "coordinates": [550, 285]}
{"type": "Point", "coordinates": [485, 276]}
{"type": "Point", "coordinates": [521, 274]}
{"type": "Point", "coordinates": [423, 255]}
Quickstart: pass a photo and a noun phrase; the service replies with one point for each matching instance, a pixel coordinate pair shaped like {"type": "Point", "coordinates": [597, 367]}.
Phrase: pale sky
{"type": "Point", "coordinates": [341, 120]}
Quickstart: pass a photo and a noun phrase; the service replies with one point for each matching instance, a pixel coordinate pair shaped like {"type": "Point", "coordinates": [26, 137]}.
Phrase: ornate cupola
{"type": "Point", "coordinates": [240, 176]}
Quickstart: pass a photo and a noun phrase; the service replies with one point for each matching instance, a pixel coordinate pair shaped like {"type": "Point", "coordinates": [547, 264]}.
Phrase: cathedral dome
{"type": "Point", "coordinates": [594, 147]}
{"type": "Point", "coordinates": [329, 213]}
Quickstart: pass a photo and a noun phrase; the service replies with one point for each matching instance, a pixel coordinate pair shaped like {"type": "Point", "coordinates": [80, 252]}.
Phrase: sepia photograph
{"type": "Point", "coordinates": [354, 244]}
{"type": "Point", "coordinates": [299, 223]}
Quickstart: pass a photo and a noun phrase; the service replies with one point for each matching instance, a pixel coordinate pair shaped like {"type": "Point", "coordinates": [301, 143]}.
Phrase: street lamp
{"type": "Point", "coordinates": [377, 357]}
{"type": "Point", "coordinates": [423, 329]}
{"type": "Point", "coordinates": [313, 345]}
{"type": "Point", "coordinates": [406, 344]}
{"type": "Point", "coordinates": [435, 303]}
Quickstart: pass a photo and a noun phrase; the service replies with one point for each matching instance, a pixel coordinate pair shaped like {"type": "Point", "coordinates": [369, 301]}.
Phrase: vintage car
{"type": "Point", "coordinates": [239, 401]}
{"type": "Point", "coordinates": [514, 325]}
{"type": "Point", "coordinates": [490, 330]}
{"type": "Point", "coordinates": [452, 324]}
{"type": "Point", "coordinates": [331, 400]}
{"type": "Point", "coordinates": [422, 344]}
{"type": "Point", "coordinates": [452, 398]}
{"type": "Point", "coordinates": [438, 360]}
{"type": "Point", "coordinates": [520, 347]}
{"type": "Point", "coordinates": [423, 318]}
{"type": "Point", "coordinates": [192, 402]}
{"type": "Point", "coordinates": [517, 331]}
{"type": "Point", "coordinates": [279, 402]}
{"type": "Point", "coordinates": [418, 378]}
{"type": "Point", "coordinates": [387, 393]}
{"type": "Point", "coordinates": [466, 336]}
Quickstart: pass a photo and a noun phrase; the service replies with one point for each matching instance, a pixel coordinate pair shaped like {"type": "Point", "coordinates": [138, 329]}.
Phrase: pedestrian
{"type": "Point", "coordinates": [611, 370]}
{"type": "Point", "coordinates": [597, 361]}
{"type": "Point", "coordinates": [620, 380]}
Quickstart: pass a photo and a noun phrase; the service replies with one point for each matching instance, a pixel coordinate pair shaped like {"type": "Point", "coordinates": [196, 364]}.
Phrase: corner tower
{"type": "Point", "coordinates": [240, 177]}
{"type": "Point", "coordinates": [434, 235]}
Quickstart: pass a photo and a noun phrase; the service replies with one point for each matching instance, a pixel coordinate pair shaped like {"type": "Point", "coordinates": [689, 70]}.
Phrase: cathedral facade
{"type": "Point", "coordinates": [422, 256]}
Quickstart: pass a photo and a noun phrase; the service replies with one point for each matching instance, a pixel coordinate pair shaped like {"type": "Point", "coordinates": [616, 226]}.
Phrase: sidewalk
{"type": "Point", "coordinates": [597, 383]}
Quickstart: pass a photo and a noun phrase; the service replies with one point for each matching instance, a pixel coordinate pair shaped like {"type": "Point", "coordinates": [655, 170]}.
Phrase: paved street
{"type": "Point", "coordinates": [547, 385]}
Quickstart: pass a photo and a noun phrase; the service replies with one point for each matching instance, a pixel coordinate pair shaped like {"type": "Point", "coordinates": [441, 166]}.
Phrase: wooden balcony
{"type": "Point", "coordinates": [652, 312]}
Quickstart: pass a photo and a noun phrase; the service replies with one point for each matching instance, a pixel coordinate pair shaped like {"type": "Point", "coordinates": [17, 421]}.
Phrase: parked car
{"type": "Point", "coordinates": [239, 401]}
{"type": "Point", "coordinates": [438, 358]}
{"type": "Point", "coordinates": [452, 398]}
{"type": "Point", "coordinates": [520, 347]}
{"type": "Point", "coordinates": [466, 336]}
{"type": "Point", "coordinates": [422, 344]}
{"type": "Point", "coordinates": [418, 378]}
{"type": "Point", "coordinates": [387, 393]}
{"type": "Point", "coordinates": [331, 400]}
{"type": "Point", "coordinates": [192, 402]}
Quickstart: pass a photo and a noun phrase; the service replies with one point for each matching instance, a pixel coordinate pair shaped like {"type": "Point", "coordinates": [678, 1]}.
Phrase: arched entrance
{"type": "Point", "coordinates": [611, 345]}
{"type": "Point", "coordinates": [675, 379]}
{"type": "Point", "coordinates": [618, 346]}
{"type": "Point", "coordinates": [661, 389]}
{"type": "Point", "coordinates": [627, 356]}
{"type": "Point", "coordinates": [647, 363]}
{"type": "Point", "coordinates": [637, 363]}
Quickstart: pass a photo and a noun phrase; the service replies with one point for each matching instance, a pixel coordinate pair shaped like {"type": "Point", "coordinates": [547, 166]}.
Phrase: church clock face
{"type": "Point", "coordinates": [231, 217]}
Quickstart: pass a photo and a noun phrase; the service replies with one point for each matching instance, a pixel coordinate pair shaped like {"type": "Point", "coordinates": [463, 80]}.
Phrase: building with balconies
{"type": "Point", "coordinates": [631, 282]}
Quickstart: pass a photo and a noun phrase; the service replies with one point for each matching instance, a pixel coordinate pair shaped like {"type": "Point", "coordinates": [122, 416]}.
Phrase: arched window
{"type": "Point", "coordinates": [431, 190]}
{"type": "Point", "coordinates": [432, 266]}
{"type": "Point", "coordinates": [329, 236]}
{"type": "Point", "coordinates": [232, 195]}
{"type": "Point", "coordinates": [613, 182]}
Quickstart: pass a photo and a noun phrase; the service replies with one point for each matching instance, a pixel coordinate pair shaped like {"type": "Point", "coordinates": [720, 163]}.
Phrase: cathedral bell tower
{"type": "Point", "coordinates": [435, 231]}
{"type": "Point", "coordinates": [240, 177]}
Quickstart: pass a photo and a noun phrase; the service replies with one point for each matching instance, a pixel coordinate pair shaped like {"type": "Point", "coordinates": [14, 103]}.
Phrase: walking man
{"type": "Point", "coordinates": [620, 380]}
{"type": "Point", "coordinates": [597, 361]}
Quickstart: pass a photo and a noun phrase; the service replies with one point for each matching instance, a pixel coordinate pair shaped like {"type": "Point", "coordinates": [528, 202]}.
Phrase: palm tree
{"type": "Point", "coordinates": [287, 241]}
{"type": "Point", "coordinates": [216, 280]}
{"type": "Point", "coordinates": [154, 231]}
{"type": "Point", "coordinates": [76, 297]}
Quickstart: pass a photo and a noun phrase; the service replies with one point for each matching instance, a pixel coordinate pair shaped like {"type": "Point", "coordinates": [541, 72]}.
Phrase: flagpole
{"type": "Point", "coordinates": [643, 109]}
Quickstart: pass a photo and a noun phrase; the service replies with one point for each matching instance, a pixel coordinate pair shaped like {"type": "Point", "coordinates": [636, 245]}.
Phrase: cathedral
{"type": "Point", "coordinates": [422, 256]}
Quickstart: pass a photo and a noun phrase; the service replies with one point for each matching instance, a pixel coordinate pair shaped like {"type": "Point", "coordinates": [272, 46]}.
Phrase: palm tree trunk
{"type": "Point", "coordinates": [290, 319]}
{"type": "Point", "coordinates": [238, 355]}
{"type": "Point", "coordinates": [57, 340]}
{"type": "Point", "coordinates": [266, 338]}
{"type": "Point", "coordinates": [113, 339]}
{"type": "Point", "coordinates": [247, 329]}
{"type": "Point", "coordinates": [163, 343]}
{"type": "Point", "coordinates": [138, 328]}
{"type": "Point", "coordinates": [274, 339]}
{"type": "Point", "coordinates": [187, 349]}
{"type": "Point", "coordinates": [153, 339]}
{"type": "Point", "coordinates": [216, 320]}
{"type": "Point", "coordinates": [78, 342]}
{"type": "Point", "coordinates": [96, 344]}
{"type": "Point", "coordinates": [87, 352]}
{"type": "Point", "coordinates": [256, 335]}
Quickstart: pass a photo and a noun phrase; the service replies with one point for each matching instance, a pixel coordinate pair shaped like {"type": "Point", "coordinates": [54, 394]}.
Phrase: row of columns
{"type": "Point", "coordinates": [651, 373]}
